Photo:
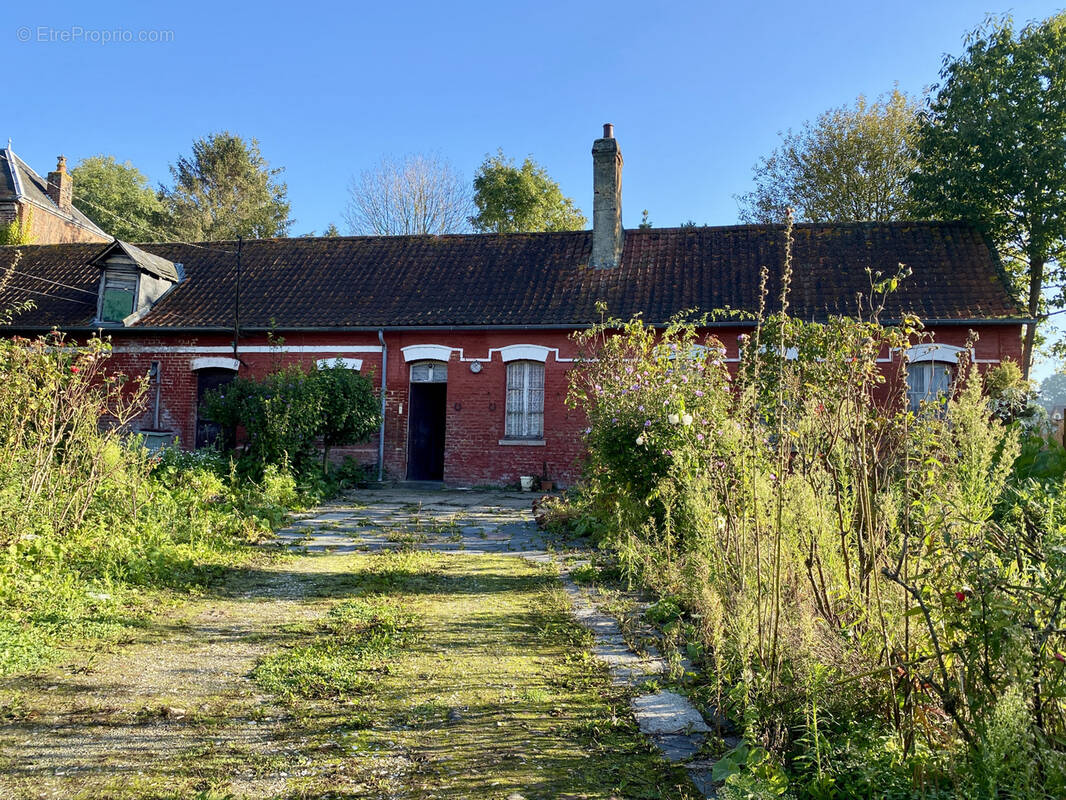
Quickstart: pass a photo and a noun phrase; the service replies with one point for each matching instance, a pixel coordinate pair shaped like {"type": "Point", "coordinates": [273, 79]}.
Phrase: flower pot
{"type": "Point", "coordinates": [527, 483]}
{"type": "Point", "coordinates": [547, 486]}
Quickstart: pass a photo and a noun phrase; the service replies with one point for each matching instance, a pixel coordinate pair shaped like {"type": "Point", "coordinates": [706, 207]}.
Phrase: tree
{"type": "Point", "coordinates": [1053, 392]}
{"type": "Point", "coordinates": [331, 231]}
{"type": "Point", "coordinates": [118, 198]}
{"type": "Point", "coordinates": [992, 150]}
{"type": "Point", "coordinates": [225, 190]}
{"type": "Point", "coordinates": [419, 194]}
{"type": "Point", "coordinates": [350, 409]}
{"type": "Point", "coordinates": [513, 199]}
{"type": "Point", "coordinates": [852, 164]}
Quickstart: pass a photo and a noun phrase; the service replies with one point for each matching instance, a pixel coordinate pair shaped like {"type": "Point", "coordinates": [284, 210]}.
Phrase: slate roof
{"type": "Point", "coordinates": [536, 279]}
{"type": "Point", "coordinates": [20, 183]}
{"type": "Point", "coordinates": [152, 264]}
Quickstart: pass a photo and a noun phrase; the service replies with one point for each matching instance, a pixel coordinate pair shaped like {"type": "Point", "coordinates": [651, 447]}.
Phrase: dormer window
{"type": "Point", "coordinates": [131, 281]}
{"type": "Point", "coordinates": [119, 296]}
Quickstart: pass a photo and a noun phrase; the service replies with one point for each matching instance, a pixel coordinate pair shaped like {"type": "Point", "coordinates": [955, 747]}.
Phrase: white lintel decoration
{"type": "Point", "coordinates": [426, 352]}
{"type": "Point", "coordinates": [524, 352]}
{"type": "Point", "coordinates": [946, 353]}
{"type": "Point", "coordinates": [347, 363]}
{"type": "Point", "coordinates": [215, 363]}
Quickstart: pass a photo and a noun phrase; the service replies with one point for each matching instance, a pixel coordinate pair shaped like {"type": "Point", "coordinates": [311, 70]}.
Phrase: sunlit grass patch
{"type": "Point", "coordinates": [345, 651]}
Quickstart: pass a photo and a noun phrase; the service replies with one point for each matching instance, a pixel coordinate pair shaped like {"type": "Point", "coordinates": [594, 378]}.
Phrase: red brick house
{"type": "Point", "coordinates": [44, 206]}
{"type": "Point", "coordinates": [469, 335]}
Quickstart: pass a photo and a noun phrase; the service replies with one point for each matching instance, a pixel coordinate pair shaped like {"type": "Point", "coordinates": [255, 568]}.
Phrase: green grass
{"type": "Point", "coordinates": [455, 677]}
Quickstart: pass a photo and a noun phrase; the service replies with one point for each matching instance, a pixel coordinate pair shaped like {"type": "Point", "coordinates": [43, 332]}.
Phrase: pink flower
{"type": "Point", "coordinates": [960, 596]}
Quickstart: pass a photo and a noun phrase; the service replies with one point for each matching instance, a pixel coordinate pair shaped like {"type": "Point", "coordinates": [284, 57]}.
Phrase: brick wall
{"type": "Point", "coordinates": [46, 228]}
{"type": "Point", "coordinates": [476, 401]}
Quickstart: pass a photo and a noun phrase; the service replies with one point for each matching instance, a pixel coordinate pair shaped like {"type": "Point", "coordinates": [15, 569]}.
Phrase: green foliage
{"type": "Point", "coordinates": [118, 198]}
{"type": "Point", "coordinates": [350, 409]}
{"type": "Point", "coordinates": [17, 232]}
{"type": "Point", "coordinates": [342, 655]}
{"type": "Point", "coordinates": [1013, 398]}
{"type": "Point", "coordinates": [852, 164]}
{"type": "Point", "coordinates": [287, 412]}
{"type": "Point", "coordinates": [1002, 97]}
{"type": "Point", "coordinates": [851, 573]}
{"type": "Point", "coordinates": [226, 189]}
{"type": "Point", "coordinates": [513, 199]}
{"type": "Point", "coordinates": [89, 519]}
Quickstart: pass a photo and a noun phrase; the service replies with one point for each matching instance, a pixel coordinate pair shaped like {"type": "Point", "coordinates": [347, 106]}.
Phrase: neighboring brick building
{"type": "Point", "coordinates": [45, 206]}
{"type": "Point", "coordinates": [473, 331]}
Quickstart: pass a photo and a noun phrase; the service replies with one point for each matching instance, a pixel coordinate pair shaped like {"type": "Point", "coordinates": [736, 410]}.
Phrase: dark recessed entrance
{"type": "Point", "coordinates": [207, 433]}
{"type": "Point", "coordinates": [427, 416]}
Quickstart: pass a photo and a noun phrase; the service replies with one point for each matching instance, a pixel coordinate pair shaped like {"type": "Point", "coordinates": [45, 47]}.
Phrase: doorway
{"type": "Point", "coordinates": [207, 432]}
{"type": "Point", "coordinates": [427, 417]}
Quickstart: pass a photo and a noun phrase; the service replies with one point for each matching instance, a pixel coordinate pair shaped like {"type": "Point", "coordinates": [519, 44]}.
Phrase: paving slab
{"type": "Point", "coordinates": [667, 712]}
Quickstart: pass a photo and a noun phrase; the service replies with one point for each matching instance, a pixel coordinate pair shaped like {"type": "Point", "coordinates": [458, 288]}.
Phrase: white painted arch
{"type": "Point", "coordinates": [215, 363]}
{"type": "Point", "coordinates": [945, 353]}
{"type": "Point", "coordinates": [524, 352]}
{"type": "Point", "coordinates": [426, 352]}
{"type": "Point", "coordinates": [348, 363]}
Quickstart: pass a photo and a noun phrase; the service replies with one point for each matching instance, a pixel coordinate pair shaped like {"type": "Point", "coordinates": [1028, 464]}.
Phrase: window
{"type": "Point", "coordinates": [928, 381]}
{"type": "Point", "coordinates": [429, 372]}
{"type": "Point", "coordinates": [119, 294]}
{"type": "Point", "coordinates": [525, 400]}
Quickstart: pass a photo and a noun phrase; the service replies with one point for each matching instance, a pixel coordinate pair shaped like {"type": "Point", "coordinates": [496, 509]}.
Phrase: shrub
{"type": "Point", "coordinates": [844, 563]}
{"type": "Point", "coordinates": [88, 517]}
{"type": "Point", "coordinates": [286, 413]}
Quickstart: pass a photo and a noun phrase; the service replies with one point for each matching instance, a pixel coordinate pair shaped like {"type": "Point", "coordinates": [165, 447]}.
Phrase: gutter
{"type": "Point", "coordinates": [177, 330]}
{"type": "Point", "coordinates": [381, 432]}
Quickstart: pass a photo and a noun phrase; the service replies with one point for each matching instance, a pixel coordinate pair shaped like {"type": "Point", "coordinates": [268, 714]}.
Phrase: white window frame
{"type": "Point", "coordinates": [125, 278]}
{"type": "Point", "coordinates": [524, 408]}
{"type": "Point", "coordinates": [436, 371]}
{"type": "Point", "coordinates": [929, 369]}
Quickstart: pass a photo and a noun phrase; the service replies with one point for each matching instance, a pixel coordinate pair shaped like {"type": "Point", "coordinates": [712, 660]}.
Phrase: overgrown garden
{"type": "Point", "coordinates": [874, 595]}
{"type": "Point", "coordinates": [96, 531]}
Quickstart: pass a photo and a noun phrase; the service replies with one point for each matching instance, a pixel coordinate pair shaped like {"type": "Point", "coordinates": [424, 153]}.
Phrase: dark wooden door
{"type": "Point", "coordinates": [425, 435]}
{"type": "Point", "coordinates": [207, 432]}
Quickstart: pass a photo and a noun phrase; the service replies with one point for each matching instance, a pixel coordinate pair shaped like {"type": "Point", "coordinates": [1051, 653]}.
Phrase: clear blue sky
{"type": "Point", "coordinates": [697, 91]}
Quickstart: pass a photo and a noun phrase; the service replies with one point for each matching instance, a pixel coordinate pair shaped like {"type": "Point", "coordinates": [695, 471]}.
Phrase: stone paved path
{"type": "Point", "coordinates": [493, 522]}
{"type": "Point", "coordinates": [184, 687]}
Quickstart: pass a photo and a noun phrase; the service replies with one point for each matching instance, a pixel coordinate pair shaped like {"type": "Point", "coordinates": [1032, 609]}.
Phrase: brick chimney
{"type": "Point", "coordinates": [607, 230]}
{"type": "Point", "coordinates": [61, 185]}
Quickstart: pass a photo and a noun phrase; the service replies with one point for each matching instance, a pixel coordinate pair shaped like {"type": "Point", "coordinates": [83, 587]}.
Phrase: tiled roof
{"type": "Point", "coordinates": [532, 279]}
{"type": "Point", "coordinates": [19, 182]}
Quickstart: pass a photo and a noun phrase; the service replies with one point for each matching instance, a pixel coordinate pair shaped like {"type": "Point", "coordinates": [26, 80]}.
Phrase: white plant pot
{"type": "Point", "coordinates": [527, 483]}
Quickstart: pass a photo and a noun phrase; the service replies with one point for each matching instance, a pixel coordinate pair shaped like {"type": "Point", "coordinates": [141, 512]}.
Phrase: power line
{"type": "Point", "coordinates": [44, 294]}
{"type": "Point", "coordinates": [54, 283]}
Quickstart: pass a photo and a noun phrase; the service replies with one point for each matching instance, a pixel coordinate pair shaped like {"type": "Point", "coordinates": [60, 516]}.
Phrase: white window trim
{"type": "Point", "coordinates": [947, 353]}
{"type": "Point", "coordinates": [524, 352]}
{"type": "Point", "coordinates": [526, 414]}
{"type": "Point", "coordinates": [434, 365]}
{"type": "Point", "coordinates": [426, 352]}
{"type": "Point", "coordinates": [117, 273]}
{"type": "Point", "coordinates": [215, 363]}
{"type": "Point", "coordinates": [348, 363]}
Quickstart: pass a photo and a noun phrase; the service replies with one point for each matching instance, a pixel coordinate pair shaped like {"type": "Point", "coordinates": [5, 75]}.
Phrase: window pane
{"type": "Point", "coordinates": [525, 400]}
{"type": "Point", "coordinates": [117, 305]}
